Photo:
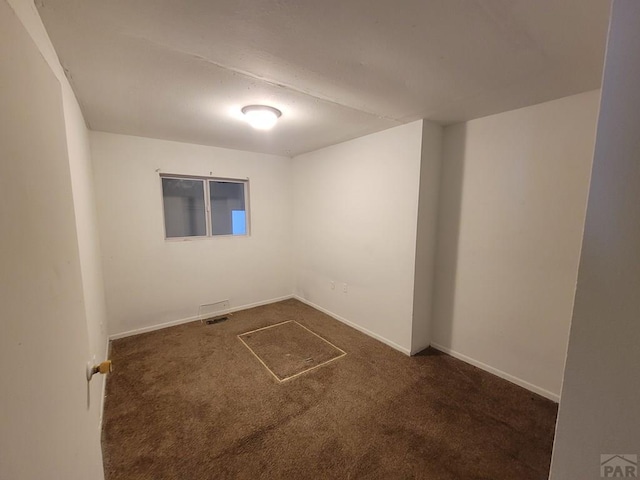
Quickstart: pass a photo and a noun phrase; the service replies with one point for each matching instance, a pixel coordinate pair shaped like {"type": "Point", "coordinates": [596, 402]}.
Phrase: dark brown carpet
{"type": "Point", "coordinates": [288, 349]}
{"type": "Point", "coordinates": [192, 402]}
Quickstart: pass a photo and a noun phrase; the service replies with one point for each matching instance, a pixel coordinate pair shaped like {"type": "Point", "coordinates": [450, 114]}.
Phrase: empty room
{"type": "Point", "coordinates": [343, 240]}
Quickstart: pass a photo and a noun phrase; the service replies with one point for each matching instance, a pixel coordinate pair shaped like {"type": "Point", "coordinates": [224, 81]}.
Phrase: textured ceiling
{"type": "Point", "coordinates": [181, 70]}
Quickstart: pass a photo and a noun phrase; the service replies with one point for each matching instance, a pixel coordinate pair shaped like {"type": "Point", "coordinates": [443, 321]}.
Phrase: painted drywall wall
{"type": "Point", "coordinates": [355, 223]}
{"type": "Point", "coordinates": [151, 281]}
{"type": "Point", "coordinates": [84, 204]}
{"type": "Point", "coordinates": [83, 196]}
{"type": "Point", "coordinates": [87, 227]}
{"type": "Point", "coordinates": [599, 410]}
{"type": "Point", "coordinates": [48, 414]}
{"type": "Point", "coordinates": [426, 236]}
{"type": "Point", "coordinates": [514, 189]}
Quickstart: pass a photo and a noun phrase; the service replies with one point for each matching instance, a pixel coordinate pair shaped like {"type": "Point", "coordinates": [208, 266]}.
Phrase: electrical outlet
{"type": "Point", "coordinates": [344, 288]}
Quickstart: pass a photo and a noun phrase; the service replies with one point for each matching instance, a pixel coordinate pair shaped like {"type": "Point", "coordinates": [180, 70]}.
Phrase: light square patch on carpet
{"type": "Point", "coordinates": [289, 349]}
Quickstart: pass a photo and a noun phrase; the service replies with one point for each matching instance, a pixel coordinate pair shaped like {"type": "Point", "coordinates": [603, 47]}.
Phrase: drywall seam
{"type": "Point", "coordinates": [380, 338]}
{"type": "Point", "coordinates": [173, 323]}
{"type": "Point", "coordinates": [499, 373]}
{"type": "Point", "coordinates": [316, 95]}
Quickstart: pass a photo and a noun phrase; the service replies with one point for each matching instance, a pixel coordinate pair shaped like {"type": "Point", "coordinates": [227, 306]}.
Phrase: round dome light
{"type": "Point", "coordinates": [261, 117]}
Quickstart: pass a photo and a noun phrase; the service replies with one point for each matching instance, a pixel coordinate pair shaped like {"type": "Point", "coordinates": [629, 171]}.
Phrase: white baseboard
{"type": "Point", "coordinates": [151, 328]}
{"type": "Point", "coordinates": [355, 325]}
{"type": "Point", "coordinates": [419, 349]}
{"type": "Point", "coordinates": [498, 373]}
{"type": "Point", "coordinates": [194, 318]}
{"type": "Point", "coordinates": [518, 381]}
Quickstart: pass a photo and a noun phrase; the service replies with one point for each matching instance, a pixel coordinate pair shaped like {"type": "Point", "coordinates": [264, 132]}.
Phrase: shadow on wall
{"type": "Point", "coordinates": [448, 231]}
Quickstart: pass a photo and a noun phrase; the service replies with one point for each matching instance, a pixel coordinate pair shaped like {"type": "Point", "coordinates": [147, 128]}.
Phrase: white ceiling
{"type": "Point", "coordinates": [338, 69]}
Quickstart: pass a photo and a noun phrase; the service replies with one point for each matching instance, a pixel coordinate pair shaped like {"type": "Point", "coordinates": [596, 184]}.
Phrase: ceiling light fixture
{"type": "Point", "coordinates": [261, 117]}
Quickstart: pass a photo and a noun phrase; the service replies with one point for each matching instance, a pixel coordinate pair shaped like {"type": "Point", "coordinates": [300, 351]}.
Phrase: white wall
{"type": "Point", "coordinates": [150, 281]}
{"type": "Point", "coordinates": [79, 158]}
{"type": "Point", "coordinates": [49, 418]}
{"type": "Point", "coordinates": [426, 236]}
{"type": "Point", "coordinates": [355, 222]}
{"type": "Point", "coordinates": [84, 203]}
{"type": "Point", "coordinates": [514, 189]}
{"type": "Point", "coordinates": [600, 405]}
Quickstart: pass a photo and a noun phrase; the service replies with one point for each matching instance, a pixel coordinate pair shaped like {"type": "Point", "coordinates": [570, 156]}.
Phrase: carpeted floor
{"type": "Point", "coordinates": [288, 349]}
{"type": "Point", "coordinates": [192, 402]}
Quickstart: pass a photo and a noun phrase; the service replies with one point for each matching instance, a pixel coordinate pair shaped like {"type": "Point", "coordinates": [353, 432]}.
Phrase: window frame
{"type": "Point", "coordinates": [207, 206]}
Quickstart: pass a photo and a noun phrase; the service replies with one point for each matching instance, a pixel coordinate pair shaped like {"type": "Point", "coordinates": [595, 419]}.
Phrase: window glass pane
{"type": "Point", "coordinates": [239, 222]}
{"type": "Point", "coordinates": [184, 208]}
{"type": "Point", "coordinates": [228, 212]}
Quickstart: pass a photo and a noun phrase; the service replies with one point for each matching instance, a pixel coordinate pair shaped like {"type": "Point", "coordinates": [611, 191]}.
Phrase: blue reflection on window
{"type": "Point", "coordinates": [238, 222]}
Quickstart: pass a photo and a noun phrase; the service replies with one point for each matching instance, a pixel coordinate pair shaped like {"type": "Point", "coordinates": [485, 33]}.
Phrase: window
{"type": "Point", "coordinates": [204, 207]}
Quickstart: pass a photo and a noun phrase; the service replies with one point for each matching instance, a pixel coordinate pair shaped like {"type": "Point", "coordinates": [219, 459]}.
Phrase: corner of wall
{"type": "Point", "coordinates": [426, 235]}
